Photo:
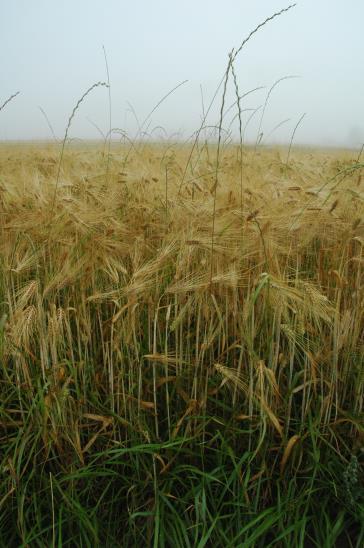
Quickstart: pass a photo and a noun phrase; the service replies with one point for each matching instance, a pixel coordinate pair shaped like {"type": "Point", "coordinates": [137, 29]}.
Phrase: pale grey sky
{"type": "Point", "coordinates": [51, 51]}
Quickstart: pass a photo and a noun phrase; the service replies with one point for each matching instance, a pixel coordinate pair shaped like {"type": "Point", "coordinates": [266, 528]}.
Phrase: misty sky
{"type": "Point", "coordinates": [51, 51]}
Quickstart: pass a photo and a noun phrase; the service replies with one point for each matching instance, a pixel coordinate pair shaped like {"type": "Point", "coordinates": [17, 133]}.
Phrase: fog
{"type": "Point", "coordinates": [52, 52]}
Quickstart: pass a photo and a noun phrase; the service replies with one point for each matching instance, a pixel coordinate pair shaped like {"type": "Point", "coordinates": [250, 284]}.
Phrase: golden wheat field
{"type": "Point", "coordinates": [160, 305]}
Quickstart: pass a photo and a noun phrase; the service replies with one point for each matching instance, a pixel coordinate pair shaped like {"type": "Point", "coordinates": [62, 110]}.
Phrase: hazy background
{"type": "Point", "coordinates": [51, 51]}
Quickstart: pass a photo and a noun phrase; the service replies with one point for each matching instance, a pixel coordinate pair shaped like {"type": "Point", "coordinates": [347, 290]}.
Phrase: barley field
{"type": "Point", "coordinates": [181, 345]}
